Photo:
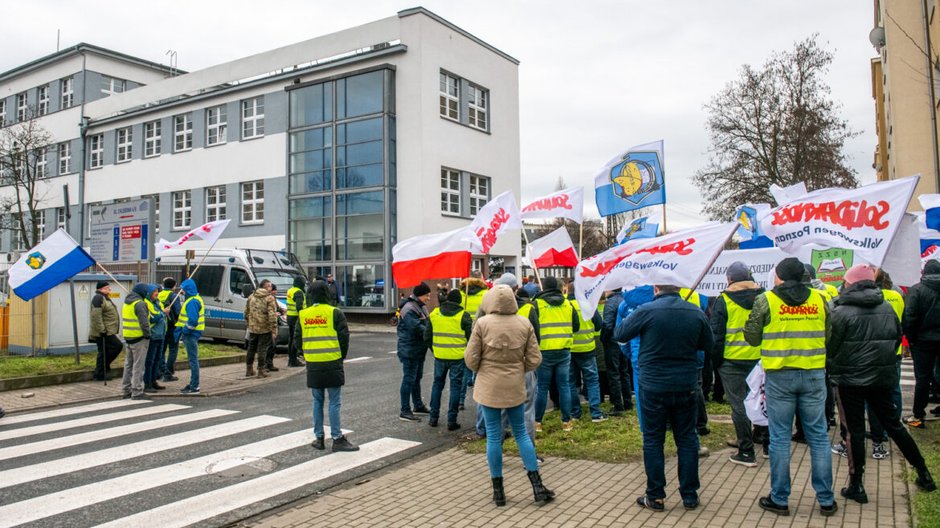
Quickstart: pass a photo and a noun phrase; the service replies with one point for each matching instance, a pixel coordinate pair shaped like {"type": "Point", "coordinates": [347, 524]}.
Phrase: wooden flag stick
{"type": "Point", "coordinates": [108, 273]}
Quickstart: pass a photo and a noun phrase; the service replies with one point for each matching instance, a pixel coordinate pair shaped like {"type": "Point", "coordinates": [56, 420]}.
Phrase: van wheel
{"type": "Point", "coordinates": [219, 340]}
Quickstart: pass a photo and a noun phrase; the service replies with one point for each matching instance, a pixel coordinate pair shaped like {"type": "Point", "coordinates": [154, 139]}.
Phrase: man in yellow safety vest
{"type": "Point", "coordinates": [295, 303]}
{"type": "Point", "coordinates": [584, 361]}
{"type": "Point", "coordinates": [448, 330]}
{"type": "Point", "coordinates": [135, 317]}
{"type": "Point", "coordinates": [189, 327]}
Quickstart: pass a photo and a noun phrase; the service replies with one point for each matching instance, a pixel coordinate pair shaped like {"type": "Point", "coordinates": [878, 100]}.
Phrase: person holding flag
{"type": "Point", "coordinates": [171, 345]}
{"type": "Point", "coordinates": [189, 328]}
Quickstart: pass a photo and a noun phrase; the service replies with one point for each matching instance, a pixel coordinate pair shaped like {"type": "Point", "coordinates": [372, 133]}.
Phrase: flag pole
{"type": "Point", "coordinates": [665, 227]}
{"type": "Point", "coordinates": [711, 262]}
{"type": "Point", "coordinates": [108, 273]}
{"type": "Point", "coordinates": [194, 270]}
{"type": "Point", "coordinates": [580, 238]}
{"type": "Point", "coordinates": [537, 278]}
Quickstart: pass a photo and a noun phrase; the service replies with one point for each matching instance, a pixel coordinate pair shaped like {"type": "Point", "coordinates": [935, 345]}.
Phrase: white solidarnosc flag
{"type": "Point", "coordinates": [498, 215]}
{"type": "Point", "coordinates": [209, 232]}
{"type": "Point", "coordinates": [863, 219]}
{"type": "Point", "coordinates": [679, 259]}
{"type": "Point", "coordinates": [562, 204]}
{"type": "Point", "coordinates": [55, 260]}
{"type": "Point", "coordinates": [787, 194]}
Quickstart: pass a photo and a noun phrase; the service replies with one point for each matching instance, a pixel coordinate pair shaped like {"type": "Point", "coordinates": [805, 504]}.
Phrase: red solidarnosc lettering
{"type": "Point", "coordinates": [547, 204]}
{"type": "Point", "coordinates": [682, 247]}
{"type": "Point", "coordinates": [487, 235]}
{"type": "Point", "coordinates": [799, 310]}
{"type": "Point", "coordinates": [315, 321]}
{"type": "Point", "coordinates": [847, 213]}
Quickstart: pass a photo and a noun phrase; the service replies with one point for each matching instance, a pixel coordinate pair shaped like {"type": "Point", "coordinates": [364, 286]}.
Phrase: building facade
{"type": "Point", "coordinates": [333, 148]}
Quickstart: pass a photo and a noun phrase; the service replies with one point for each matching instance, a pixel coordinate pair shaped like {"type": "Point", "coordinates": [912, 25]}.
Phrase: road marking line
{"type": "Point", "coordinates": [103, 434]}
{"type": "Point", "coordinates": [200, 507]}
{"type": "Point", "coordinates": [90, 420]}
{"type": "Point", "coordinates": [353, 360]}
{"type": "Point", "coordinates": [392, 352]}
{"type": "Point", "coordinates": [32, 417]}
{"type": "Point", "coordinates": [73, 498]}
{"type": "Point", "coordinates": [70, 464]}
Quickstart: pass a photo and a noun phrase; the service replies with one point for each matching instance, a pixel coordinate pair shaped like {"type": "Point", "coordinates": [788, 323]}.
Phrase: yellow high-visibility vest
{"type": "Point", "coordinates": [736, 347]}
{"type": "Point", "coordinates": [163, 297]}
{"type": "Point", "coordinates": [471, 303]}
{"type": "Point", "coordinates": [319, 339]}
{"type": "Point", "coordinates": [184, 315]}
{"type": "Point", "coordinates": [292, 309]}
{"type": "Point", "coordinates": [896, 300]}
{"type": "Point", "coordinates": [555, 329]}
{"type": "Point", "coordinates": [583, 339]}
{"type": "Point", "coordinates": [796, 335]}
{"type": "Point", "coordinates": [524, 310]}
{"type": "Point", "coordinates": [695, 298]}
{"type": "Point", "coordinates": [132, 329]}
{"type": "Point", "coordinates": [832, 291]}
{"type": "Point", "coordinates": [448, 340]}
{"type": "Point", "coordinates": [153, 309]}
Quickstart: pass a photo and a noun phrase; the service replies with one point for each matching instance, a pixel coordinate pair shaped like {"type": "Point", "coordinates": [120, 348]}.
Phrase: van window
{"type": "Point", "coordinates": [237, 280]}
{"type": "Point", "coordinates": [208, 280]}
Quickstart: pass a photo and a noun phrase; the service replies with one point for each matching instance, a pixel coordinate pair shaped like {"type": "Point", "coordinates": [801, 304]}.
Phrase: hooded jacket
{"type": "Point", "coordinates": [192, 308]}
{"type": "Point", "coordinates": [139, 293]}
{"type": "Point", "coordinates": [862, 347]}
{"type": "Point", "coordinates": [554, 298]}
{"type": "Point", "coordinates": [449, 309]}
{"type": "Point", "coordinates": [921, 321]}
{"type": "Point", "coordinates": [632, 299]}
{"type": "Point", "coordinates": [412, 327]}
{"type": "Point", "coordinates": [792, 293]}
{"type": "Point", "coordinates": [158, 324]}
{"type": "Point", "coordinates": [325, 374]}
{"type": "Point", "coordinates": [502, 348]}
{"type": "Point", "coordinates": [261, 312]}
{"type": "Point", "coordinates": [743, 294]}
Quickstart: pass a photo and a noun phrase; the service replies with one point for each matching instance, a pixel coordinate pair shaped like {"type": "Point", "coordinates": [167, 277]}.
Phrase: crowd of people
{"type": "Point", "coordinates": [663, 348]}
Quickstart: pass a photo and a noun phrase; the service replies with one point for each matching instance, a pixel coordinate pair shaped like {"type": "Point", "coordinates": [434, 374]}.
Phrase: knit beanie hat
{"type": "Point", "coordinates": [738, 272]}
{"type": "Point", "coordinates": [859, 272]}
{"type": "Point", "coordinates": [421, 290]}
{"type": "Point", "coordinates": [790, 269]}
{"type": "Point", "coordinates": [453, 296]}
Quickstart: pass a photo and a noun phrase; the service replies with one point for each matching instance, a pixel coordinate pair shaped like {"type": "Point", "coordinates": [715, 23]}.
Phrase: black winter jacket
{"type": "Point", "coordinates": [864, 338]}
{"type": "Point", "coordinates": [411, 329]}
{"type": "Point", "coordinates": [554, 298]}
{"type": "Point", "coordinates": [741, 293]}
{"type": "Point", "coordinates": [921, 319]}
{"type": "Point", "coordinates": [323, 375]}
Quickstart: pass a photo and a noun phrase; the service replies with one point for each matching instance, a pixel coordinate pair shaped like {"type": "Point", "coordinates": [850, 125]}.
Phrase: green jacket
{"type": "Point", "coordinates": [104, 318]}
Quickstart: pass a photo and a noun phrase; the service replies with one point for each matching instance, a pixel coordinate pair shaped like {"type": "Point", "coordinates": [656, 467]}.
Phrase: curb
{"type": "Point", "coordinates": [30, 382]}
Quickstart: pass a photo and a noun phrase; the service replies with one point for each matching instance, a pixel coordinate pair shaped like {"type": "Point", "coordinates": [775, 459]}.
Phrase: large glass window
{"type": "Point", "coordinates": [359, 95]}
{"type": "Point", "coordinates": [359, 159]}
{"type": "Point", "coordinates": [311, 105]}
{"type": "Point", "coordinates": [360, 225]}
{"type": "Point", "coordinates": [312, 227]}
{"type": "Point", "coordinates": [311, 160]}
{"type": "Point", "coordinates": [361, 285]}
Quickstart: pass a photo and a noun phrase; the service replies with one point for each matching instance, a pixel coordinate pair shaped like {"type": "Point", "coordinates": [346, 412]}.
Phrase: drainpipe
{"type": "Point", "coordinates": [933, 99]}
{"type": "Point", "coordinates": [82, 131]}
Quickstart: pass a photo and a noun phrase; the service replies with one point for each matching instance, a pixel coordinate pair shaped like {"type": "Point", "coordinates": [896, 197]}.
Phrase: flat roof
{"type": "Point", "coordinates": [85, 47]}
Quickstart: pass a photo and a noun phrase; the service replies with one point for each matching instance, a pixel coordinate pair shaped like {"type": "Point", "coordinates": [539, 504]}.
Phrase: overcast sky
{"type": "Point", "coordinates": [595, 76]}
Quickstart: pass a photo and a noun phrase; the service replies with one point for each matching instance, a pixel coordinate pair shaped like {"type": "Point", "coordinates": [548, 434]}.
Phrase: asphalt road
{"type": "Point", "coordinates": [370, 411]}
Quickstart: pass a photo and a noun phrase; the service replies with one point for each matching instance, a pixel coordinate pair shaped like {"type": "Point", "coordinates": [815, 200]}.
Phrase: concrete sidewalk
{"type": "Point", "coordinates": [453, 489]}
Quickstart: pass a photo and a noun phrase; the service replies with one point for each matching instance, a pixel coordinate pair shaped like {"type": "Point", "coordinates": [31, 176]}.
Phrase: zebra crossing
{"type": "Point", "coordinates": [907, 373]}
{"type": "Point", "coordinates": [137, 463]}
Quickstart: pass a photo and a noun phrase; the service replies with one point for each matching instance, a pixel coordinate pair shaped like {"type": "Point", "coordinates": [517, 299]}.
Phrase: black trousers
{"type": "Point", "coordinates": [618, 377]}
{"type": "Point", "coordinates": [851, 401]}
{"type": "Point", "coordinates": [925, 354]}
{"type": "Point", "coordinates": [291, 351]}
{"type": "Point", "coordinates": [258, 344]}
{"type": "Point", "coordinates": [108, 348]}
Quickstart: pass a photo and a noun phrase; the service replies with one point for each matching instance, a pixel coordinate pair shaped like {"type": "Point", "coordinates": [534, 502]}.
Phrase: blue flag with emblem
{"type": "Point", "coordinates": [638, 228]}
{"type": "Point", "coordinates": [55, 260]}
{"type": "Point", "coordinates": [631, 180]}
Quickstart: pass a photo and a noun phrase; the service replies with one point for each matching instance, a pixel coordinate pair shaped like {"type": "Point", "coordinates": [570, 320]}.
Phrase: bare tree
{"type": "Point", "coordinates": [23, 170]}
{"type": "Point", "coordinates": [776, 124]}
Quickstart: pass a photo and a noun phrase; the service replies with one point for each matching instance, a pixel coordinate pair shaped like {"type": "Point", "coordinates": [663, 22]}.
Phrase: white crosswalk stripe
{"type": "Point", "coordinates": [907, 373]}
{"type": "Point", "coordinates": [159, 462]}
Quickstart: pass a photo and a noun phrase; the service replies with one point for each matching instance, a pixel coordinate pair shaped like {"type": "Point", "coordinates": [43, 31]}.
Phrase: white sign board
{"type": "Point", "coordinates": [121, 232]}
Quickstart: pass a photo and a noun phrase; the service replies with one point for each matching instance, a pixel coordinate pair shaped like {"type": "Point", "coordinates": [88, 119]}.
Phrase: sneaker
{"type": "Point", "coordinates": [318, 444]}
{"type": "Point", "coordinates": [652, 504]}
{"type": "Point", "coordinates": [423, 409]}
{"type": "Point", "coordinates": [839, 449]}
{"type": "Point", "coordinates": [453, 426]}
{"type": "Point", "coordinates": [599, 419]}
{"type": "Point", "coordinates": [150, 389]}
{"type": "Point", "coordinates": [703, 452]}
{"type": "Point", "coordinates": [829, 511]}
{"type": "Point", "coordinates": [140, 397]}
{"type": "Point", "coordinates": [271, 368]}
{"type": "Point", "coordinates": [538, 427]}
{"type": "Point", "coordinates": [732, 442]}
{"type": "Point", "coordinates": [170, 377]}
{"type": "Point", "coordinates": [691, 505]}
{"type": "Point", "coordinates": [767, 504]}
{"type": "Point", "coordinates": [567, 426]}
{"type": "Point", "coordinates": [879, 451]}
{"type": "Point", "coordinates": [744, 459]}
{"type": "Point", "coordinates": [342, 444]}
{"type": "Point", "coordinates": [704, 431]}
{"type": "Point", "coordinates": [913, 421]}
{"type": "Point", "coordinates": [935, 411]}
{"type": "Point", "coordinates": [765, 452]}
{"type": "Point", "coordinates": [189, 390]}
{"type": "Point", "coordinates": [408, 417]}
{"type": "Point", "coordinates": [432, 423]}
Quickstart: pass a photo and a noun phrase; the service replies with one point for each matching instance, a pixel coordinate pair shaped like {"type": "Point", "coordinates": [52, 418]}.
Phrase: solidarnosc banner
{"type": "Point", "coordinates": [568, 203]}
{"type": "Point", "coordinates": [761, 262]}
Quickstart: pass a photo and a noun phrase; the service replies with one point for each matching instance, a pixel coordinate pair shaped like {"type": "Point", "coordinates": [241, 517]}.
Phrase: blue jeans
{"type": "Point", "coordinates": [555, 364]}
{"type": "Point", "coordinates": [191, 342]}
{"type": "Point", "coordinates": [636, 388]}
{"type": "Point", "coordinates": [788, 392]}
{"type": "Point", "coordinates": [494, 438]}
{"type": "Point", "coordinates": [587, 363]}
{"type": "Point", "coordinates": [171, 347]}
{"type": "Point", "coordinates": [444, 368]}
{"type": "Point", "coordinates": [336, 399]}
{"type": "Point", "coordinates": [679, 410]}
{"type": "Point", "coordinates": [468, 378]}
{"type": "Point", "coordinates": [152, 364]}
{"type": "Point", "coordinates": [412, 371]}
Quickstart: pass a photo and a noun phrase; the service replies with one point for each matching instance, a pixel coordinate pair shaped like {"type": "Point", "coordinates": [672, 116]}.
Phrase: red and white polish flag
{"type": "Point", "coordinates": [432, 256]}
{"type": "Point", "coordinates": [568, 203]}
{"type": "Point", "coordinates": [553, 249]}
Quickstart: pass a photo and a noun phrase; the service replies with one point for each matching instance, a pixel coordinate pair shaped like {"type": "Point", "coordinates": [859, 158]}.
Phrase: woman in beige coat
{"type": "Point", "coordinates": [502, 348]}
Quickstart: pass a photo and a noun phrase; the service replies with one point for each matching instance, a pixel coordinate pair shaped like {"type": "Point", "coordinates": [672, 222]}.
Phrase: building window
{"type": "Point", "coordinates": [111, 86]}
{"type": "Point", "coordinates": [216, 124]}
{"type": "Point", "coordinates": [183, 132]}
{"type": "Point", "coordinates": [450, 192]}
{"type": "Point", "coordinates": [156, 211]}
{"type": "Point", "coordinates": [253, 202]}
{"type": "Point", "coordinates": [42, 166]}
{"type": "Point", "coordinates": [67, 93]}
{"type": "Point", "coordinates": [21, 107]}
{"type": "Point", "coordinates": [182, 209]}
{"type": "Point", "coordinates": [3, 112]}
{"type": "Point", "coordinates": [41, 223]}
{"type": "Point", "coordinates": [477, 105]}
{"type": "Point", "coordinates": [152, 138]}
{"type": "Point", "coordinates": [96, 151]}
{"type": "Point", "coordinates": [43, 100]}
{"type": "Point", "coordinates": [65, 158]}
{"type": "Point", "coordinates": [215, 203]}
{"type": "Point", "coordinates": [16, 236]}
{"type": "Point", "coordinates": [253, 118]}
{"type": "Point", "coordinates": [479, 192]}
{"type": "Point", "coordinates": [125, 144]}
{"type": "Point", "coordinates": [60, 218]}
{"type": "Point", "coordinates": [450, 96]}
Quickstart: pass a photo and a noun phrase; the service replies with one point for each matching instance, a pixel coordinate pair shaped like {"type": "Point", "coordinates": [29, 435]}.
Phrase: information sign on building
{"type": "Point", "coordinates": [120, 232]}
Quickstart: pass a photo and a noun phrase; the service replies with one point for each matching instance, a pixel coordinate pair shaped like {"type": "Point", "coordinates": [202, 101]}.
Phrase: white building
{"type": "Point", "coordinates": [334, 148]}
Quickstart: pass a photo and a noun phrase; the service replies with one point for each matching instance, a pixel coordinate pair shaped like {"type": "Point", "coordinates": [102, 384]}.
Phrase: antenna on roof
{"type": "Point", "coordinates": [173, 62]}
{"type": "Point", "coordinates": [58, 34]}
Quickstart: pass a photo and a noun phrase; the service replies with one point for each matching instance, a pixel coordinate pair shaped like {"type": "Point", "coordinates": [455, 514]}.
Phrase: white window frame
{"type": "Point", "coordinates": [182, 133]}
{"type": "Point", "coordinates": [182, 209]}
{"type": "Point", "coordinates": [115, 85]}
{"type": "Point", "coordinates": [64, 152]}
{"type": "Point", "coordinates": [252, 194]}
{"type": "Point", "coordinates": [42, 223]}
{"type": "Point", "coordinates": [3, 112]}
{"type": "Point", "coordinates": [153, 131]}
{"type": "Point", "coordinates": [42, 100]}
{"type": "Point", "coordinates": [125, 145]}
{"type": "Point", "coordinates": [96, 151]}
{"type": "Point", "coordinates": [253, 117]}
{"type": "Point", "coordinates": [215, 203]}
{"type": "Point", "coordinates": [22, 106]}
{"type": "Point", "coordinates": [42, 163]}
{"type": "Point", "coordinates": [16, 236]}
{"type": "Point", "coordinates": [478, 199]}
{"type": "Point", "coordinates": [216, 125]}
{"type": "Point", "coordinates": [67, 97]}
{"type": "Point", "coordinates": [449, 195]}
{"type": "Point", "coordinates": [60, 218]}
{"type": "Point", "coordinates": [478, 104]}
{"type": "Point", "coordinates": [449, 96]}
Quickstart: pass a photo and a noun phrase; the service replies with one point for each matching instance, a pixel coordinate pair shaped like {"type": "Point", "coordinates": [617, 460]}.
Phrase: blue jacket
{"type": "Point", "coordinates": [672, 332]}
{"type": "Point", "coordinates": [412, 328]}
{"type": "Point", "coordinates": [632, 299]}
{"type": "Point", "coordinates": [192, 309]}
{"type": "Point", "coordinates": [157, 320]}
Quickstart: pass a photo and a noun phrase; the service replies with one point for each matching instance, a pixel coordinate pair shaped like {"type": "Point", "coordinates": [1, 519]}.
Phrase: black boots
{"type": "Point", "coordinates": [542, 494]}
{"type": "Point", "coordinates": [855, 490]}
{"type": "Point", "coordinates": [499, 496]}
{"type": "Point", "coordinates": [924, 480]}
